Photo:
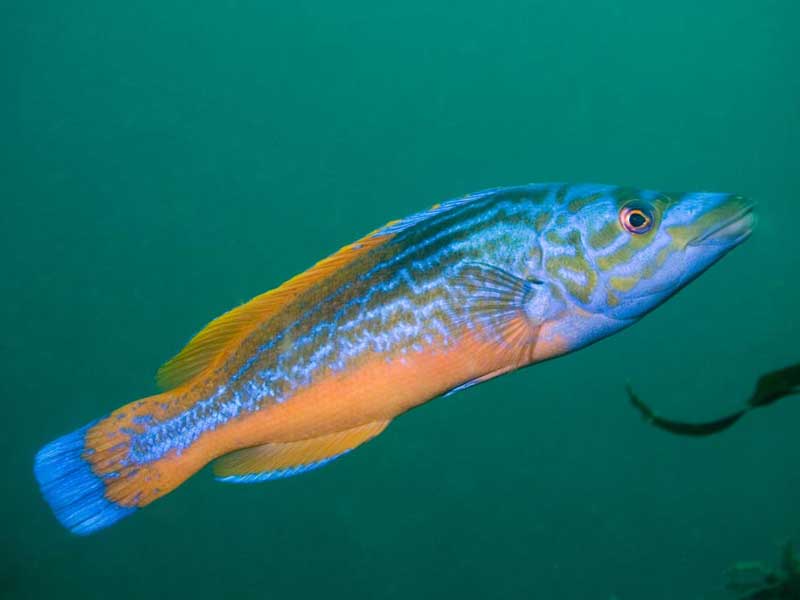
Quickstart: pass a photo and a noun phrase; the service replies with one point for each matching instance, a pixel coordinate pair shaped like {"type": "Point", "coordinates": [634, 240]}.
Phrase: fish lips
{"type": "Point", "coordinates": [729, 232]}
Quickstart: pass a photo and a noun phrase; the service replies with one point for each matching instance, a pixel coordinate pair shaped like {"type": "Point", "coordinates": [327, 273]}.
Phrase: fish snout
{"type": "Point", "coordinates": [730, 224]}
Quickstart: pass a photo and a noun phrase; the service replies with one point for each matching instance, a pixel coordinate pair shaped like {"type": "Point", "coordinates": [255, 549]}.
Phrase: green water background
{"type": "Point", "coordinates": [162, 162]}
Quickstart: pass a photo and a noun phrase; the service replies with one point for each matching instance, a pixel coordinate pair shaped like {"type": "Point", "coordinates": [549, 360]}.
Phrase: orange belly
{"type": "Point", "coordinates": [377, 389]}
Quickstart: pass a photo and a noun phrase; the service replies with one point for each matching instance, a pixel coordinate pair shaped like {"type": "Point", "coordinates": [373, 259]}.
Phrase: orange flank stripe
{"type": "Point", "coordinates": [376, 390]}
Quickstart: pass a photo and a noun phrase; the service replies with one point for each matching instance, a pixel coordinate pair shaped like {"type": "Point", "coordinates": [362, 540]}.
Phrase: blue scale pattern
{"type": "Point", "coordinates": [249, 388]}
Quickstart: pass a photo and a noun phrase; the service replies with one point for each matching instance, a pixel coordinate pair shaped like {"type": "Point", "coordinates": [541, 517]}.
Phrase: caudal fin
{"type": "Point", "coordinates": [72, 489]}
{"type": "Point", "coordinates": [93, 477]}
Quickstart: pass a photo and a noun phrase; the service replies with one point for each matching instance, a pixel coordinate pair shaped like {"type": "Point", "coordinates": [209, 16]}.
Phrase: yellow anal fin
{"type": "Point", "coordinates": [230, 328]}
{"type": "Point", "coordinates": [276, 460]}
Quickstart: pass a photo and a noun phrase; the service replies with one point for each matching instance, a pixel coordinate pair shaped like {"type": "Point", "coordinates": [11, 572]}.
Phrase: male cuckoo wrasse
{"type": "Point", "coordinates": [470, 289]}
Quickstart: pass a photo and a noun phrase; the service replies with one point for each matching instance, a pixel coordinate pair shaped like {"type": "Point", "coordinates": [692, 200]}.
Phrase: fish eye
{"type": "Point", "coordinates": [636, 218]}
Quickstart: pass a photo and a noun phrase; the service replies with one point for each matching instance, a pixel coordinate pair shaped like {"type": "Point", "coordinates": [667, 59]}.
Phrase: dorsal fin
{"type": "Point", "coordinates": [276, 460]}
{"type": "Point", "coordinates": [227, 329]}
{"type": "Point", "coordinates": [399, 225]}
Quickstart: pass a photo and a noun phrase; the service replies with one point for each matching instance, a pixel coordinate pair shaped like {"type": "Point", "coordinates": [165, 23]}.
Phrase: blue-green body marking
{"type": "Point", "coordinates": [553, 265]}
{"type": "Point", "coordinates": [407, 295]}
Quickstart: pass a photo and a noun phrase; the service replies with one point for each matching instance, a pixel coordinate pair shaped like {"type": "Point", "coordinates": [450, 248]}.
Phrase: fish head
{"type": "Point", "coordinates": [618, 253]}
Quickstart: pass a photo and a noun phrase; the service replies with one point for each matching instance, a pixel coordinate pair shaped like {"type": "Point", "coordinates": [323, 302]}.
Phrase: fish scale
{"type": "Point", "coordinates": [431, 304]}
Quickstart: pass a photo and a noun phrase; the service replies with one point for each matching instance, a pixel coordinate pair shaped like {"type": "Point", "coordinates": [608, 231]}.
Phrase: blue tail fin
{"type": "Point", "coordinates": [71, 488]}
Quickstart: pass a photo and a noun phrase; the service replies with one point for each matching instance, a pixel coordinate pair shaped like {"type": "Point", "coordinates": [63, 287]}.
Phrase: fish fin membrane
{"type": "Point", "coordinates": [497, 306]}
{"type": "Point", "coordinates": [278, 460]}
{"type": "Point", "coordinates": [227, 330]}
{"type": "Point", "coordinates": [394, 227]}
{"type": "Point", "coordinates": [230, 328]}
{"type": "Point", "coordinates": [73, 490]}
{"type": "Point", "coordinates": [477, 380]}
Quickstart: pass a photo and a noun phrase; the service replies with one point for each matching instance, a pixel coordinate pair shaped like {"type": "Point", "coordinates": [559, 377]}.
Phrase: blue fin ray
{"type": "Point", "coordinates": [74, 492]}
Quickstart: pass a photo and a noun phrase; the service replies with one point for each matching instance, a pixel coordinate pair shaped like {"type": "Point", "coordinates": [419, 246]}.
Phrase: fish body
{"type": "Point", "coordinates": [470, 289]}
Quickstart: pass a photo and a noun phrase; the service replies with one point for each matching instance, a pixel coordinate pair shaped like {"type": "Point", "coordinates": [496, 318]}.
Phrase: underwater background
{"type": "Point", "coordinates": [161, 163]}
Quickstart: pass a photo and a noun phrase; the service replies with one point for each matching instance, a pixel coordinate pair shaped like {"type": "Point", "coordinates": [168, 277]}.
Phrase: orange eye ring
{"type": "Point", "coordinates": [636, 219]}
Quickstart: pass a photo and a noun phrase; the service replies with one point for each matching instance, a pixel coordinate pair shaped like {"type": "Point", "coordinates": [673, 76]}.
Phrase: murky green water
{"type": "Point", "coordinates": [162, 162]}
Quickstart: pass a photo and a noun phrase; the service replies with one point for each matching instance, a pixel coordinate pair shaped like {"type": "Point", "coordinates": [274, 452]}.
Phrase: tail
{"type": "Point", "coordinates": [91, 478]}
{"type": "Point", "coordinates": [105, 471]}
{"type": "Point", "coordinates": [73, 490]}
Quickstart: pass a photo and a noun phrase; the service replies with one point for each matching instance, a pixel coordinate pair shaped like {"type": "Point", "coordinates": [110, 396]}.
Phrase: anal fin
{"type": "Point", "coordinates": [278, 460]}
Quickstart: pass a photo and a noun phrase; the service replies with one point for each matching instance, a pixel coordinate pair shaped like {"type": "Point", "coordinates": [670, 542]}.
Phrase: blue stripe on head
{"type": "Point", "coordinates": [71, 488]}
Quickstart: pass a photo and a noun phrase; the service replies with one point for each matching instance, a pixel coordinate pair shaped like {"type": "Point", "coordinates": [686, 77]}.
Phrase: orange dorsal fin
{"type": "Point", "coordinates": [230, 328]}
{"type": "Point", "coordinates": [275, 460]}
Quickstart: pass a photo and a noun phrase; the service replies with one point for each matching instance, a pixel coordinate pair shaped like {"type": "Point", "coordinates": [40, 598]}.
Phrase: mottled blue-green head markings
{"type": "Point", "coordinates": [579, 261]}
{"type": "Point", "coordinates": [619, 252]}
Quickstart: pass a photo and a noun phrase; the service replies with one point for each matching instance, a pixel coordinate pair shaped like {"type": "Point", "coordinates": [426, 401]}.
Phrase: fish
{"type": "Point", "coordinates": [422, 307]}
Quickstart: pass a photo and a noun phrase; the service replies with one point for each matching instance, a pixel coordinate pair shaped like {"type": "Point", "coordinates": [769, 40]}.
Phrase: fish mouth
{"type": "Point", "coordinates": [729, 232]}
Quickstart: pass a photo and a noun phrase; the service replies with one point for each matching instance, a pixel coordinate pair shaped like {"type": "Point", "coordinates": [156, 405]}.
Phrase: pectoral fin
{"type": "Point", "coordinates": [277, 460]}
{"type": "Point", "coordinates": [503, 309]}
{"type": "Point", "coordinates": [502, 304]}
